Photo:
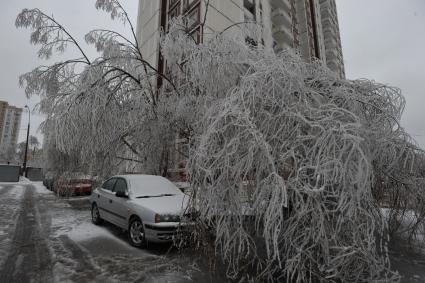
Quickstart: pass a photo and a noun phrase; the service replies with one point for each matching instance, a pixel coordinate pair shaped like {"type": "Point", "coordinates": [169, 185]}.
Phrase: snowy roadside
{"type": "Point", "coordinates": [82, 251]}
{"type": "Point", "coordinates": [79, 251]}
{"type": "Point", "coordinates": [11, 195]}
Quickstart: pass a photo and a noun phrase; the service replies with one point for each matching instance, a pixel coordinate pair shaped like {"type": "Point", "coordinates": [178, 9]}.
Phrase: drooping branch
{"type": "Point", "coordinates": [44, 28]}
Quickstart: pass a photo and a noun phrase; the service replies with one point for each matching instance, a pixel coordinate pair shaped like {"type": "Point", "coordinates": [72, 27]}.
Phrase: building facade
{"type": "Point", "coordinates": [332, 38]}
{"type": "Point", "coordinates": [310, 27]}
{"type": "Point", "coordinates": [10, 123]}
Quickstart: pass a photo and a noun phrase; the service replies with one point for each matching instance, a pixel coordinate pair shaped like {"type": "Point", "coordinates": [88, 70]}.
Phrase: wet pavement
{"type": "Point", "coordinates": [48, 239]}
{"type": "Point", "coordinates": [408, 261]}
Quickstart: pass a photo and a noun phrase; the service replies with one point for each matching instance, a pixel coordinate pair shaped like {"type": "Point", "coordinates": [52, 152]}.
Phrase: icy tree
{"type": "Point", "coordinates": [289, 164]}
{"type": "Point", "coordinates": [286, 159]}
{"type": "Point", "coordinates": [92, 105]}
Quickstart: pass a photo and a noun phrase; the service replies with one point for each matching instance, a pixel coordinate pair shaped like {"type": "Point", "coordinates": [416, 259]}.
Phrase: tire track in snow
{"type": "Point", "coordinates": [85, 271]}
{"type": "Point", "coordinates": [29, 259]}
{"type": "Point", "coordinates": [10, 202]}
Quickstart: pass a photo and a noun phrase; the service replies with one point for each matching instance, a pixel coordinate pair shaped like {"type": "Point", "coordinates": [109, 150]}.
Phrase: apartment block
{"type": "Point", "coordinates": [10, 123]}
{"type": "Point", "coordinates": [332, 38]}
{"type": "Point", "coordinates": [310, 27]}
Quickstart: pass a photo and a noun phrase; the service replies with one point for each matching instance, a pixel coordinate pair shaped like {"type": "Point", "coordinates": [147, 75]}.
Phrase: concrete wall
{"type": "Point", "coordinates": [9, 173]}
{"type": "Point", "coordinates": [148, 29]}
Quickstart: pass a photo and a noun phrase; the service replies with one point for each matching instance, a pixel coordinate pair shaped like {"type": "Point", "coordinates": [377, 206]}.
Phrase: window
{"type": "Point", "coordinates": [190, 8]}
{"type": "Point", "coordinates": [170, 9]}
{"type": "Point", "coordinates": [196, 35]}
{"type": "Point", "coordinates": [120, 186]}
{"type": "Point", "coordinates": [172, 3]}
{"type": "Point", "coordinates": [250, 6]}
{"type": "Point", "coordinates": [188, 4]}
{"type": "Point", "coordinates": [192, 19]}
{"type": "Point", "coordinates": [108, 185]}
{"type": "Point", "coordinates": [173, 12]}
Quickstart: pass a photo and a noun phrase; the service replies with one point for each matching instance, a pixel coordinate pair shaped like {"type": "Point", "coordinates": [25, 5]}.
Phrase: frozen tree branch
{"type": "Point", "coordinates": [47, 32]}
{"type": "Point", "coordinates": [290, 165]}
{"type": "Point", "coordinates": [284, 160]}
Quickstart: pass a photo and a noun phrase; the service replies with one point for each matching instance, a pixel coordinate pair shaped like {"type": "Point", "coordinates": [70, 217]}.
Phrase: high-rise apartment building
{"type": "Point", "coordinates": [10, 123]}
{"type": "Point", "coordinates": [332, 38]}
{"type": "Point", "coordinates": [309, 27]}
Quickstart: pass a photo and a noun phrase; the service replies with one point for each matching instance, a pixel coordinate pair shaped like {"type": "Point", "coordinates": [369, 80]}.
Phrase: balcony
{"type": "Point", "coordinates": [331, 54]}
{"type": "Point", "coordinates": [282, 34]}
{"type": "Point", "coordinates": [281, 17]}
{"type": "Point", "coordinates": [282, 4]}
{"type": "Point", "coordinates": [330, 41]}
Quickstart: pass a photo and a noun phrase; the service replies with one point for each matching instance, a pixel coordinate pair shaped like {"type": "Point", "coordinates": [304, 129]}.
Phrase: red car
{"type": "Point", "coordinates": [72, 187]}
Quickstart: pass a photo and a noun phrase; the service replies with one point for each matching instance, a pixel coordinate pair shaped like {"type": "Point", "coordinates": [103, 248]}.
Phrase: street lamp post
{"type": "Point", "coordinates": [24, 173]}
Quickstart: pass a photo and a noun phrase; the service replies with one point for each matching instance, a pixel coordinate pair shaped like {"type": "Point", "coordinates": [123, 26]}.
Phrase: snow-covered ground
{"type": "Point", "coordinates": [68, 248]}
{"type": "Point", "coordinates": [10, 195]}
{"type": "Point", "coordinates": [44, 238]}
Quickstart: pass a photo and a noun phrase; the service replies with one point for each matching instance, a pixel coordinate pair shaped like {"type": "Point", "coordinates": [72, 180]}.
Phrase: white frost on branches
{"type": "Point", "coordinates": [289, 164]}
{"type": "Point", "coordinates": [285, 158]}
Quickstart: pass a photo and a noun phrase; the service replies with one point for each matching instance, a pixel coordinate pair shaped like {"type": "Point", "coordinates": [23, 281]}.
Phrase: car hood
{"type": "Point", "coordinates": [164, 205]}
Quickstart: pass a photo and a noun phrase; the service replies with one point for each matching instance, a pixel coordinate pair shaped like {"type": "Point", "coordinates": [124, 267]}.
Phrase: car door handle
{"type": "Point", "coordinates": [110, 201]}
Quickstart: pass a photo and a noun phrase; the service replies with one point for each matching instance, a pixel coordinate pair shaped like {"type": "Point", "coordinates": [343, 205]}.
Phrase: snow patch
{"type": "Point", "coordinates": [24, 180]}
{"type": "Point", "coordinates": [87, 230]}
{"type": "Point", "coordinates": [79, 198]}
{"type": "Point", "coordinates": [17, 192]}
{"type": "Point", "coordinates": [41, 189]}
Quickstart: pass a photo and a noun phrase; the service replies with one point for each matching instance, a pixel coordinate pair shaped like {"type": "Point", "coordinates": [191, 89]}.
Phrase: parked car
{"type": "Point", "coordinates": [148, 207]}
{"type": "Point", "coordinates": [72, 186]}
{"type": "Point", "coordinates": [49, 180]}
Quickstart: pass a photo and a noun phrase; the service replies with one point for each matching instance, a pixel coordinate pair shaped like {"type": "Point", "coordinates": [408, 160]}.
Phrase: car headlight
{"type": "Point", "coordinates": [166, 218]}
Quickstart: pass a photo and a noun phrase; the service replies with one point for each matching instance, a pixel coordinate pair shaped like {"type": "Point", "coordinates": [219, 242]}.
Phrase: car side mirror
{"type": "Point", "coordinates": [121, 194]}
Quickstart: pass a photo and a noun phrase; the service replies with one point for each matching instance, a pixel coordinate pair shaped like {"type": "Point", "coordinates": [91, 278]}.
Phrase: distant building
{"type": "Point", "coordinates": [10, 123]}
{"type": "Point", "coordinates": [307, 26]}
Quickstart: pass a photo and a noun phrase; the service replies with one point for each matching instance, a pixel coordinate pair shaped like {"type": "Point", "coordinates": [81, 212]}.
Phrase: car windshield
{"type": "Point", "coordinates": [152, 186]}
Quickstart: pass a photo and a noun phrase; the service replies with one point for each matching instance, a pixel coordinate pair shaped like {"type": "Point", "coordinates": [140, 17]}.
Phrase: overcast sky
{"type": "Point", "coordinates": [382, 40]}
{"type": "Point", "coordinates": [18, 56]}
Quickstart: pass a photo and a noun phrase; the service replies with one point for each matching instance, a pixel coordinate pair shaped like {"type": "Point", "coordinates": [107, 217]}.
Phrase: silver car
{"type": "Point", "coordinates": [147, 207]}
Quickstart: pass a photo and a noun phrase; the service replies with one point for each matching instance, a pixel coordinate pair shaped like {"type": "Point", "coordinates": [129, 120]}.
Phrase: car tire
{"type": "Point", "coordinates": [136, 233]}
{"type": "Point", "coordinates": [95, 215]}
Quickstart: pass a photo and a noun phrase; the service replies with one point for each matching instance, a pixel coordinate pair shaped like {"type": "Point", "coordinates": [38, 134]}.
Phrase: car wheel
{"type": "Point", "coordinates": [95, 215]}
{"type": "Point", "coordinates": [136, 233]}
